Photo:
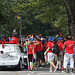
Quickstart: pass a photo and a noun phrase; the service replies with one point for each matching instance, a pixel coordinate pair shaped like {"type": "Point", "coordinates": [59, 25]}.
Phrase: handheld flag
{"type": "Point", "coordinates": [9, 39]}
{"type": "Point", "coordinates": [57, 35]}
{"type": "Point", "coordinates": [40, 35]}
{"type": "Point", "coordinates": [60, 35]}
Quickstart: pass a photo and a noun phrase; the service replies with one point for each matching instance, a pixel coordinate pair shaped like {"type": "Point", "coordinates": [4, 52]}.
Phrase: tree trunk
{"type": "Point", "coordinates": [71, 19]}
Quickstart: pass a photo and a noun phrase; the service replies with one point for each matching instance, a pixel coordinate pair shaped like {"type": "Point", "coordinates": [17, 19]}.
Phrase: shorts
{"type": "Point", "coordinates": [38, 54]}
{"type": "Point", "coordinates": [30, 57]}
{"type": "Point", "coordinates": [50, 57]}
{"type": "Point", "coordinates": [60, 56]}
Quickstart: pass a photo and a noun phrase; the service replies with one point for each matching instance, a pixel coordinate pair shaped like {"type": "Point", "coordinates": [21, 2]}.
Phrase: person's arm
{"type": "Point", "coordinates": [46, 50]}
{"type": "Point", "coordinates": [64, 46]}
{"type": "Point", "coordinates": [19, 44]}
{"type": "Point", "coordinates": [36, 43]}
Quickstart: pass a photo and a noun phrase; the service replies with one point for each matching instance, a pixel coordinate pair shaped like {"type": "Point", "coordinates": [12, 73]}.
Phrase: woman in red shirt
{"type": "Point", "coordinates": [50, 54]}
{"type": "Point", "coordinates": [31, 46]}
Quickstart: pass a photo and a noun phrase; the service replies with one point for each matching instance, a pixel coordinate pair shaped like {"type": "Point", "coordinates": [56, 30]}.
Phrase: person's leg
{"type": "Point", "coordinates": [38, 61]}
{"type": "Point", "coordinates": [43, 59]}
{"type": "Point", "coordinates": [59, 64]}
{"type": "Point", "coordinates": [40, 55]}
{"type": "Point", "coordinates": [30, 60]}
{"type": "Point", "coordinates": [60, 58]}
{"type": "Point", "coordinates": [71, 62]}
{"type": "Point", "coordinates": [31, 65]}
{"type": "Point", "coordinates": [34, 65]}
{"type": "Point", "coordinates": [50, 68]}
{"type": "Point", "coordinates": [66, 58]}
{"type": "Point", "coordinates": [51, 62]}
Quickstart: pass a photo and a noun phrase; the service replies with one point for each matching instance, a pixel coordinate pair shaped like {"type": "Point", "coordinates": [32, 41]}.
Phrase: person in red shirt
{"type": "Point", "coordinates": [50, 54]}
{"type": "Point", "coordinates": [31, 54]}
{"type": "Point", "coordinates": [14, 39]}
{"type": "Point", "coordinates": [60, 55]}
{"type": "Point", "coordinates": [38, 52]}
{"type": "Point", "coordinates": [69, 53]}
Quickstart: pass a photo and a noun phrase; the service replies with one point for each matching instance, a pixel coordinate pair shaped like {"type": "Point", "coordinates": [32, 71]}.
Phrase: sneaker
{"type": "Point", "coordinates": [59, 68]}
{"type": "Point", "coordinates": [43, 64]}
{"type": "Point", "coordinates": [31, 70]}
{"type": "Point", "coordinates": [38, 65]}
{"type": "Point", "coordinates": [71, 71]}
{"type": "Point", "coordinates": [50, 70]}
{"type": "Point", "coordinates": [63, 71]}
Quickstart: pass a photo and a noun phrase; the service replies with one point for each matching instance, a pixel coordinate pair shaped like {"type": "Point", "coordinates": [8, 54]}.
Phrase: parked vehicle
{"type": "Point", "coordinates": [11, 56]}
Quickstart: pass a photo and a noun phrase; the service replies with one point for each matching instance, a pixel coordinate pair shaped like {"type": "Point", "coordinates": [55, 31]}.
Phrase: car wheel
{"type": "Point", "coordinates": [20, 65]}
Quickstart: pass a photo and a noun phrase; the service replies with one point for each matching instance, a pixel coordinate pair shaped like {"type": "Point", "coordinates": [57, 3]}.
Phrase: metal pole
{"type": "Point", "coordinates": [20, 32]}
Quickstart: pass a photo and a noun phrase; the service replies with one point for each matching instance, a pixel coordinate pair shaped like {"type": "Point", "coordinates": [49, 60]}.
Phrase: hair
{"type": "Point", "coordinates": [69, 37]}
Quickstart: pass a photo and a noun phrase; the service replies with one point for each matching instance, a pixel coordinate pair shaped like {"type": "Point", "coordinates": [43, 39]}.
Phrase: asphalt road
{"type": "Point", "coordinates": [39, 71]}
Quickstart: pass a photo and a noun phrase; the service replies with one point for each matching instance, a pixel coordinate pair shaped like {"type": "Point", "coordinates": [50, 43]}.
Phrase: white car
{"type": "Point", "coordinates": [11, 56]}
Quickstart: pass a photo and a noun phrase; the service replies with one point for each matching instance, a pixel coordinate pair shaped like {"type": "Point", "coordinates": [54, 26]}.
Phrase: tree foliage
{"type": "Point", "coordinates": [37, 16]}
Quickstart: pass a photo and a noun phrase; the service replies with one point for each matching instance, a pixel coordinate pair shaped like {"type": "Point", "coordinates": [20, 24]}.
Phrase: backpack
{"type": "Point", "coordinates": [55, 49]}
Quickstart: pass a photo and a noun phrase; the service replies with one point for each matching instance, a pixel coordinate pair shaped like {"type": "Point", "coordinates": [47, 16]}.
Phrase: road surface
{"type": "Point", "coordinates": [39, 71]}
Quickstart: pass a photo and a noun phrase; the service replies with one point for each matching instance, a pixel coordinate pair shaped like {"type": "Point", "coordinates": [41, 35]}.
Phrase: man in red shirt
{"type": "Point", "coordinates": [60, 55]}
{"type": "Point", "coordinates": [69, 53]}
{"type": "Point", "coordinates": [38, 52]}
{"type": "Point", "coordinates": [43, 50]}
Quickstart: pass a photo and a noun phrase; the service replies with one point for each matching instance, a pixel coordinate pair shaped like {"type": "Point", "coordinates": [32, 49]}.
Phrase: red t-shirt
{"type": "Point", "coordinates": [14, 40]}
{"type": "Point", "coordinates": [50, 45]}
{"type": "Point", "coordinates": [34, 50]}
{"type": "Point", "coordinates": [30, 49]}
{"type": "Point", "coordinates": [69, 46]}
{"type": "Point", "coordinates": [60, 46]}
{"type": "Point", "coordinates": [38, 47]}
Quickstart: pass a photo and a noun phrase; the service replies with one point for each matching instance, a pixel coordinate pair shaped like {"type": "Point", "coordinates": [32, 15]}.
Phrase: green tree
{"type": "Point", "coordinates": [40, 10]}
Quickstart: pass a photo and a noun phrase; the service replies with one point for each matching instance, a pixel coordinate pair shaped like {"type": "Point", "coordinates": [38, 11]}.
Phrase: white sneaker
{"type": "Point", "coordinates": [50, 71]}
{"type": "Point", "coordinates": [59, 67]}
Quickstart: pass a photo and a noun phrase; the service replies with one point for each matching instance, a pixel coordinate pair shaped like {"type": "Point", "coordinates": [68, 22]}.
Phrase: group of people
{"type": "Point", "coordinates": [39, 47]}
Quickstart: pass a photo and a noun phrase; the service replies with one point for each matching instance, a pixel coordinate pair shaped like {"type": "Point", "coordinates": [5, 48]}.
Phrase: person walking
{"type": "Point", "coordinates": [31, 56]}
{"type": "Point", "coordinates": [50, 54]}
{"type": "Point", "coordinates": [60, 55]}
